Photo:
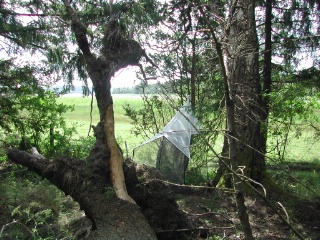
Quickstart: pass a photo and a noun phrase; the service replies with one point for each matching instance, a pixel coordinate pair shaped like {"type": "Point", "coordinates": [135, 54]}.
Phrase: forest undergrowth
{"type": "Point", "coordinates": [31, 208]}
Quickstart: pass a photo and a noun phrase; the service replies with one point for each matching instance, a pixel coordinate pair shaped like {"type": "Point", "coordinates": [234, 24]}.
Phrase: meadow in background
{"type": "Point", "coordinates": [302, 147]}
{"type": "Point", "coordinates": [81, 117]}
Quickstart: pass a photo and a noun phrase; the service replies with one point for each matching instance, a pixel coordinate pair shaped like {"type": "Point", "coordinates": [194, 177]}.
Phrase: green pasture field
{"type": "Point", "coordinates": [304, 147]}
{"type": "Point", "coordinates": [303, 143]}
{"type": "Point", "coordinates": [80, 117]}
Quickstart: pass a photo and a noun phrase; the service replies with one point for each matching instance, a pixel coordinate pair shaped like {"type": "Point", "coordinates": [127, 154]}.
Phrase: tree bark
{"type": "Point", "coordinates": [112, 218]}
{"type": "Point", "coordinates": [241, 58]}
{"type": "Point", "coordinates": [116, 161]}
{"type": "Point", "coordinates": [99, 184]}
{"type": "Point", "coordinates": [115, 218]}
{"type": "Point", "coordinates": [233, 158]}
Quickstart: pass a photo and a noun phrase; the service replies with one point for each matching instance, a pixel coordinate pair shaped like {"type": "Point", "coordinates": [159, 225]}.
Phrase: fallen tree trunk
{"type": "Point", "coordinates": [112, 217]}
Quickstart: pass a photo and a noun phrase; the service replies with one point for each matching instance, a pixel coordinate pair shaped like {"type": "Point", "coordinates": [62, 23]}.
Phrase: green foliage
{"type": "Point", "coordinates": [34, 206]}
{"type": "Point", "coordinates": [195, 176]}
{"type": "Point", "coordinates": [30, 115]}
{"type": "Point", "coordinates": [15, 81]}
{"type": "Point", "coordinates": [109, 192]}
{"type": "Point", "coordinates": [142, 88]}
{"type": "Point", "coordinates": [17, 33]}
{"type": "Point", "coordinates": [292, 112]}
{"type": "Point", "coordinates": [123, 90]}
{"type": "Point", "coordinates": [294, 101]}
{"type": "Point", "coordinates": [151, 118]}
{"type": "Point", "coordinates": [67, 145]}
{"type": "Point", "coordinates": [216, 238]}
{"type": "Point", "coordinates": [146, 13]}
{"type": "Point", "coordinates": [303, 177]}
{"type": "Point", "coordinates": [31, 207]}
{"type": "Point", "coordinates": [296, 37]}
{"type": "Point", "coordinates": [36, 121]}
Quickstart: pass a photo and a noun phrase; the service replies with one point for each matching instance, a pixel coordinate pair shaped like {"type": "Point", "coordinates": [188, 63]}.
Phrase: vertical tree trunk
{"type": "Point", "coordinates": [267, 70]}
{"type": "Point", "coordinates": [238, 67]}
{"type": "Point", "coordinates": [241, 58]}
{"type": "Point", "coordinates": [193, 74]}
{"type": "Point", "coordinates": [233, 154]}
{"type": "Point", "coordinates": [231, 132]}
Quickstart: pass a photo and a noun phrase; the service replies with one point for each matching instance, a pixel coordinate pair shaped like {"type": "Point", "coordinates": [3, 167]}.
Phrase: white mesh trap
{"type": "Point", "coordinates": [169, 150]}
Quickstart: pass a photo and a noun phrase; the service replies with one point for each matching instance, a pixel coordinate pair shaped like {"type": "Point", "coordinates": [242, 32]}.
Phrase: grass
{"type": "Point", "coordinates": [300, 147]}
{"type": "Point", "coordinates": [303, 178]}
{"type": "Point", "coordinates": [32, 208]}
{"type": "Point", "coordinates": [304, 148]}
{"type": "Point", "coordinates": [80, 117]}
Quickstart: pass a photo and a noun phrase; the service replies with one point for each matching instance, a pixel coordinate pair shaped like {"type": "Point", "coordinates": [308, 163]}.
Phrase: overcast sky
{"type": "Point", "coordinates": [123, 78]}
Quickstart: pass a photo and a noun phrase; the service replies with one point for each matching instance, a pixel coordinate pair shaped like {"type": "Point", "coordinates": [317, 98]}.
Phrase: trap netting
{"type": "Point", "coordinates": [169, 150]}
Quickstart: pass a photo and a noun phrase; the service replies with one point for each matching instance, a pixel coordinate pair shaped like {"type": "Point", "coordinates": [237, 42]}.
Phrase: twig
{"type": "Point", "coordinates": [194, 187]}
{"type": "Point", "coordinates": [91, 108]}
{"type": "Point", "coordinates": [285, 211]}
{"type": "Point", "coordinates": [14, 222]}
{"type": "Point", "coordinates": [193, 229]}
{"type": "Point", "coordinates": [216, 213]}
{"type": "Point", "coordinates": [149, 59]}
{"type": "Point", "coordinates": [276, 212]}
{"type": "Point", "coordinates": [255, 182]}
{"type": "Point", "coordinates": [144, 74]}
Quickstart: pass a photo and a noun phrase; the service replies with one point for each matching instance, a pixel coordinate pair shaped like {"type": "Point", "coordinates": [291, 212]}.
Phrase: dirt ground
{"type": "Point", "coordinates": [214, 211]}
{"type": "Point", "coordinates": [216, 214]}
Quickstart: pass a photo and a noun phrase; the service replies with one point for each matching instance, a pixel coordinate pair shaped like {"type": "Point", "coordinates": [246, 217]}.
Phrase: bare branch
{"type": "Point", "coordinates": [144, 74]}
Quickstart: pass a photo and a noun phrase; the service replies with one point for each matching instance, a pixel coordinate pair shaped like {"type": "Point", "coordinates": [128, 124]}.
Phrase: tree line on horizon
{"type": "Point", "coordinates": [144, 88]}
